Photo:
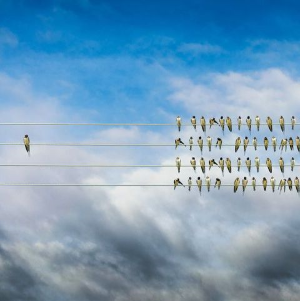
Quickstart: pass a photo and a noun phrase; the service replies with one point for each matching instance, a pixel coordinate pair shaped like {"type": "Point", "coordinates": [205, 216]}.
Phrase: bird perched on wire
{"type": "Point", "coordinates": [200, 143]}
{"type": "Point", "coordinates": [209, 143]}
{"type": "Point", "coordinates": [218, 183]}
{"type": "Point", "coordinates": [239, 163]}
{"type": "Point", "coordinates": [281, 123]}
{"type": "Point", "coordinates": [281, 164]}
{"type": "Point", "coordinates": [283, 144]}
{"type": "Point", "coordinates": [178, 121]}
{"type": "Point", "coordinates": [274, 143]}
{"type": "Point", "coordinates": [264, 183]}
{"type": "Point", "coordinates": [191, 142]}
{"type": "Point", "coordinates": [273, 183]}
{"type": "Point", "coordinates": [291, 143]}
{"type": "Point", "coordinates": [193, 163]}
{"type": "Point", "coordinates": [178, 163]}
{"type": "Point", "coordinates": [257, 163]}
{"type": "Point", "coordinates": [199, 184]}
{"type": "Point", "coordinates": [221, 165]}
{"type": "Point", "coordinates": [244, 184]}
{"type": "Point", "coordinates": [203, 124]}
{"type": "Point", "coordinates": [178, 141]}
{"type": "Point", "coordinates": [248, 122]}
{"type": "Point", "coordinates": [219, 143]}
{"type": "Point", "coordinates": [26, 141]}
{"type": "Point", "coordinates": [293, 122]}
{"type": "Point", "coordinates": [229, 123]}
{"type": "Point", "coordinates": [269, 164]}
{"type": "Point", "coordinates": [228, 164]}
{"type": "Point", "coordinates": [238, 141]}
{"type": "Point", "coordinates": [282, 185]}
{"type": "Point", "coordinates": [254, 142]}
{"type": "Point", "coordinates": [246, 142]}
{"type": "Point", "coordinates": [239, 122]}
{"type": "Point", "coordinates": [177, 182]}
{"type": "Point", "coordinates": [222, 123]}
{"type": "Point", "coordinates": [254, 183]}
{"type": "Point", "coordinates": [194, 122]}
{"type": "Point", "coordinates": [211, 163]}
{"type": "Point", "coordinates": [202, 165]}
{"type": "Point", "coordinates": [297, 184]}
{"type": "Point", "coordinates": [290, 184]}
{"type": "Point", "coordinates": [207, 181]}
{"type": "Point", "coordinates": [270, 123]}
{"type": "Point", "coordinates": [212, 121]}
{"type": "Point", "coordinates": [297, 141]}
{"type": "Point", "coordinates": [266, 143]}
{"type": "Point", "coordinates": [236, 184]}
{"type": "Point", "coordinates": [257, 122]}
{"type": "Point", "coordinates": [248, 164]}
{"type": "Point", "coordinates": [292, 164]}
{"type": "Point", "coordinates": [190, 183]}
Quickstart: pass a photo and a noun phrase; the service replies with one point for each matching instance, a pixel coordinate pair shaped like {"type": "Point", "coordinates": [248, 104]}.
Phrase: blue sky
{"type": "Point", "coordinates": [145, 61]}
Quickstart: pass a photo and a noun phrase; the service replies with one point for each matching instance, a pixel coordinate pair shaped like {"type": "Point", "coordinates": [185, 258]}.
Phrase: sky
{"type": "Point", "coordinates": [145, 62]}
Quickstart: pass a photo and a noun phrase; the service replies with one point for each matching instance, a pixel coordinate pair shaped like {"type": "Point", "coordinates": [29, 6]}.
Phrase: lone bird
{"type": "Point", "coordinates": [202, 165]}
{"type": "Point", "coordinates": [228, 164]}
{"type": "Point", "coordinates": [254, 142]}
{"type": "Point", "coordinates": [248, 164]}
{"type": "Point", "coordinates": [282, 184]}
{"type": "Point", "coordinates": [273, 183]}
{"type": "Point", "coordinates": [237, 143]}
{"type": "Point", "coordinates": [207, 181]}
{"type": "Point", "coordinates": [211, 163]}
{"type": "Point", "coordinates": [239, 163]}
{"type": "Point", "coordinates": [221, 164]}
{"type": "Point", "coordinates": [222, 123]}
{"type": "Point", "coordinates": [248, 122]}
{"type": "Point", "coordinates": [194, 122]}
{"type": "Point", "coordinates": [292, 164]}
{"type": "Point", "coordinates": [293, 122]}
{"type": "Point", "coordinates": [270, 123]}
{"type": "Point", "coordinates": [239, 122]}
{"type": "Point", "coordinates": [27, 144]}
{"type": "Point", "coordinates": [291, 143]}
{"type": "Point", "coordinates": [178, 121]}
{"type": "Point", "coordinates": [200, 143]}
{"type": "Point", "coordinates": [229, 123]}
{"type": "Point", "coordinates": [246, 142]}
{"type": "Point", "coordinates": [178, 141]}
{"type": "Point", "coordinates": [297, 184]}
{"type": "Point", "coordinates": [298, 143]}
{"type": "Point", "coordinates": [264, 183]}
{"type": "Point", "coordinates": [212, 121]}
{"type": "Point", "coordinates": [254, 183]}
{"type": "Point", "coordinates": [236, 184]}
{"type": "Point", "coordinates": [191, 142]}
{"type": "Point", "coordinates": [266, 143]}
{"type": "Point", "coordinates": [244, 183]}
{"type": "Point", "coordinates": [269, 164]}
{"type": "Point", "coordinates": [190, 183]}
{"type": "Point", "coordinates": [290, 184]}
{"type": "Point", "coordinates": [257, 163]}
{"type": "Point", "coordinates": [178, 163]}
{"type": "Point", "coordinates": [199, 183]}
{"type": "Point", "coordinates": [281, 123]}
{"type": "Point", "coordinates": [203, 124]}
{"type": "Point", "coordinates": [283, 144]}
{"type": "Point", "coordinates": [274, 143]}
{"type": "Point", "coordinates": [219, 143]}
{"type": "Point", "coordinates": [209, 142]}
{"type": "Point", "coordinates": [193, 163]}
{"type": "Point", "coordinates": [257, 122]}
{"type": "Point", "coordinates": [281, 164]}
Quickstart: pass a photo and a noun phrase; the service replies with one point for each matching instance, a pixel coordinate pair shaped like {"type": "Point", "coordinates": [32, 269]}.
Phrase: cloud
{"type": "Point", "coordinates": [7, 38]}
{"type": "Point", "coordinates": [198, 48]}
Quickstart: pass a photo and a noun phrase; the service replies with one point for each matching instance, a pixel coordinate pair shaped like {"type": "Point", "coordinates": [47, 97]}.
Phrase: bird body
{"type": "Point", "coordinates": [236, 184]}
{"type": "Point", "coordinates": [257, 122]}
{"type": "Point", "coordinates": [257, 163]}
{"type": "Point", "coordinates": [228, 164]}
{"type": "Point", "coordinates": [191, 142]}
{"type": "Point", "coordinates": [200, 143]}
{"type": "Point", "coordinates": [269, 164]}
{"type": "Point", "coordinates": [209, 142]}
{"type": "Point", "coordinates": [270, 123]}
{"type": "Point", "coordinates": [274, 143]}
{"type": "Point", "coordinates": [229, 123]}
{"type": "Point", "coordinates": [26, 141]}
{"type": "Point", "coordinates": [203, 124]}
{"type": "Point", "coordinates": [178, 163]}
{"type": "Point", "coordinates": [194, 122]}
{"type": "Point", "coordinates": [265, 183]}
{"type": "Point", "coordinates": [202, 165]}
{"type": "Point", "coordinates": [193, 163]}
{"type": "Point", "coordinates": [237, 143]}
{"type": "Point", "coordinates": [273, 183]}
{"type": "Point", "coordinates": [178, 121]}
{"type": "Point", "coordinates": [218, 183]}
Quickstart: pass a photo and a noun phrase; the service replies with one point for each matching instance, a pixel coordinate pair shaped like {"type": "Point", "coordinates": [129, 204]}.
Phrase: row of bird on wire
{"type": "Point", "coordinates": [284, 143]}
{"type": "Point", "coordinates": [228, 121]}
{"type": "Point", "coordinates": [248, 164]}
{"type": "Point", "coordinates": [218, 183]}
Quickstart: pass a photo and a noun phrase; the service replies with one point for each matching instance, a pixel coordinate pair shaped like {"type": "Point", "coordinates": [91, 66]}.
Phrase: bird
{"type": "Point", "coordinates": [239, 122]}
{"type": "Point", "coordinates": [298, 143]}
{"type": "Point", "coordinates": [194, 122]}
{"type": "Point", "coordinates": [178, 141]}
{"type": "Point", "coordinates": [281, 164]}
{"type": "Point", "coordinates": [222, 123]}
{"type": "Point", "coordinates": [218, 183]}
{"type": "Point", "coordinates": [239, 163]}
{"type": "Point", "coordinates": [212, 121]}
{"type": "Point", "coordinates": [297, 184]}
{"type": "Point", "coordinates": [211, 163]}
{"type": "Point", "coordinates": [237, 143]}
{"type": "Point", "coordinates": [236, 184]}
{"type": "Point", "coordinates": [221, 165]}
{"type": "Point", "coordinates": [292, 164]}
{"type": "Point", "coordinates": [177, 182]}
{"type": "Point", "coordinates": [229, 123]}
{"type": "Point", "coordinates": [257, 121]}
{"type": "Point", "coordinates": [248, 164]}
{"type": "Point", "coordinates": [203, 124]}
{"type": "Point", "coordinates": [293, 122]}
{"type": "Point", "coordinates": [26, 141]}
{"type": "Point", "coordinates": [290, 184]}
{"type": "Point", "coordinates": [282, 184]}
{"type": "Point", "coordinates": [207, 181]}
{"type": "Point", "coordinates": [244, 183]}
{"type": "Point", "coordinates": [209, 142]}
{"type": "Point", "coordinates": [270, 123]}
{"type": "Point", "coordinates": [248, 122]}
{"type": "Point", "coordinates": [178, 163]}
{"type": "Point", "coordinates": [254, 183]}
{"type": "Point", "coordinates": [202, 165]}
{"type": "Point", "coordinates": [191, 142]}
{"type": "Point", "coordinates": [178, 121]}
{"type": "Point", "coordinates": [199, 183]}
{"type": "Point", "coordinates": [269, 164]}
{"type": "Point", "coordinates": [200, 143]}
{"type": "Point", "coordinates": [219, 143]}
{"type": "Point", "coordinates": [291, 143]}
{"type": "Point", "coordinates": [193, 163]}
{"type": "Point", "coordinates": [283, 144]}
{"type": "Point", "coordinates": [266, 143]}
{"type": "Point", "coordinates": [257, 163]}
{"type": "Point", "coordinates": [274, 143]}
{"type": "Point", "coordinates": [281, 123]}
{"type": "Point", "coordinates": [228, 164]}
{"type": "Point", "coordinates": [265, 183]}
{"type": "Point", "coordinates": [246, 142]}
{"type": "Point", "coordinates": [273, 183]}
{"type": "Point", "coordinates": [254, 142]}
{"type": "Point", "coordinates": [190, 183]}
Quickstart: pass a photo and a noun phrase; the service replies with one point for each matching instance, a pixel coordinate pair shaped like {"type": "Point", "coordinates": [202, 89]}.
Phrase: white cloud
{"type": "Point", "coordinates": [7, 38]}
{"type": "Point", "coordinates": [198, 49]}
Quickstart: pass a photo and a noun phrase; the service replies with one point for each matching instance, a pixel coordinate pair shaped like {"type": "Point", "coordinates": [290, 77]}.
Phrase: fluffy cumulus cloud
{"type": "Point", "coordinates": [123, 243]}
